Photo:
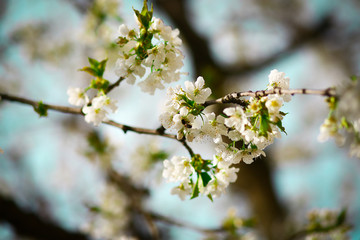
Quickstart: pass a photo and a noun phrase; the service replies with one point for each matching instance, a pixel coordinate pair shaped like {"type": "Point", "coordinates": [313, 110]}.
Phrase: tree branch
{"type": "Point", "coordinates": [171, 221]}
{"type": "Point", "coordinates": [235, 97]}
{"type": "Point", "coordinates": [114, 85]}
{"type": "Point", "coordinates": [57, 108]}
{"type": "Point", "coordinates": [74, 110]}
{"type": "Point", "coordinates": [29, 224]}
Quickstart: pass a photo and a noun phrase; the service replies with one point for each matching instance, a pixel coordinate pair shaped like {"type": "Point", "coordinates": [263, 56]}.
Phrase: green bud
{"type": "Point", "coordinates": [41, 109]}
{"type": "Point", "coordinates": [354, 78]}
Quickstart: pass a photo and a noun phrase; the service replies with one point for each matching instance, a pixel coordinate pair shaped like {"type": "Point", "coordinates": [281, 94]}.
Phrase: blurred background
{"type": "Point", "coordinates": [56, 171]}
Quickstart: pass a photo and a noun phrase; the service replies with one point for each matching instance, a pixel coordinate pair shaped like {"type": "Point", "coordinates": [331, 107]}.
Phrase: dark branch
{"type": "Point", "coordinates": [72, 110]}
{"type": "Point", "coordinates": [301, 38]}
{"type": "Point", "coordinates": [114, 85]}
{"type": "Point", "coordinates": [235, 97]}
{"type": "Point", "coordinates": [29, 224]}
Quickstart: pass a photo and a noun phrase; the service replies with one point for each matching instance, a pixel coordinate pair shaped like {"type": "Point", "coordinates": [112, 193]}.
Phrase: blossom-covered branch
{"type": "Point", "coordinates": [235, 97]}
{"type": "Point", "coordinates": [73, 110]}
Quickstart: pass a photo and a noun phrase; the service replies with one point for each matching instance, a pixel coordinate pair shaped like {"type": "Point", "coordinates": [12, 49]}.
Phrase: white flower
{"type": "Point", "coordinates": [183, 120]}
{"type": "Point", "coordinates": [273, 104]}
{"type": "Point", "coordinates": [248, 155]}
{"type": "Point", "coordinates": [196, 91]}
{"type": "Point", "coordinates": [355, 149]}
{"type": "Point", "coordinates": [104, 101]}
{"type": "Point", "coordinates": [177, 169]}
{"type": "Point", "coordinates": [237, 118]}
{"type": "Point", "coordinates": [166, 119]}
{"type": "Point", "coordinates": [77, 96]}
{"type": "Point", "coordinates": [152, 82]}
{"type": "Point", "coordinates": [227, 175]}
{"type": "Point", "coordinates": [94, 115]}
{"type": "Point", "coordinates": [228, 153]}
{"type": "Point", "coordinates": [217, 128]}
{"type": "Point", "coordinates": [183, 190]}
{"type": "Point", "coordinates": [166, 32]}
{"type": "Point", "coordinates": [329, 129]}
{"type": "Point", "coordinates": [349, 101]}
{"type": "Point", "coordinates": [249, 136]}
{"type": "Point", "coordinates": [220, 162]}
{"type": "Point", "coordinates": [123, 30]}
{"type": "Point", "coordinates": [278, 79]}
{"type": "Point", "coordinates": [215, 187]}
{"type": "Point", "coordinates": [157, 24]}
{"type": "Point", "coordinates": [156, 56]}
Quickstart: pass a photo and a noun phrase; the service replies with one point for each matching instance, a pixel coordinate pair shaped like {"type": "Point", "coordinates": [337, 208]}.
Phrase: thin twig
{"type": "Point", "coordinates": [184, 143]}
{"type": "Point", "coordinates": [57, 108]}
{"type": "Point", "coordinates": [147, 131]}
{"type": "Point", "coordinates": [235, 97]}
{"type": "Point", "coordinates": [73, 110]}
{"type": "Point", "coordinates": [114, 85]}
{"type": "Point", "coordinates": [306, 232]}
{"type": "Point", "coordinates": [171, 221]}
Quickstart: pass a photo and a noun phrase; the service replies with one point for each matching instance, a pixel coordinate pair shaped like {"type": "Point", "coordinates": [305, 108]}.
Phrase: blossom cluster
{"type": "Point", "coordinates": [109, 217]}
{"type": "Point", "coordinates": [95, 110]}
{"type": "Point", "coordinates": [326, 224]}
{"type": "Point", "coordinates": [150, 51]}
{"type": "Point", "coordinates": [343, 121]}
{"type": "Point", "coordinates": [153, 46]}
{"type": "Point", "coordinates": [240, 134]}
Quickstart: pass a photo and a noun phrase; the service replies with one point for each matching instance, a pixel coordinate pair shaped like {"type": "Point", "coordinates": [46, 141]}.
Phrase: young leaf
{"type": "Point", "coordinates": [280, 126]}
{"type": "Point", "coordinates": [196, 190]}
{"type": "Point", "coordinates": [145, 15]}
{"type": "Point", "coordinates": [93, 62]}
{"type": "Point", "coordinates": [89, 70]}
{"type": "Point", "coordinates": [101, 68]}
{"type": "Point", "coordinates": [41, 109]}
{"type": "Point", "coordinates": [210, 197]}
{"type": "Point", "coordinates": [205, 178]}
{"type": "Point", "coordinates": [354, 78]}
{"type": "Point", "coordinates": [264, 125]}
{"type": "Point", "coordinates": [341, 217]}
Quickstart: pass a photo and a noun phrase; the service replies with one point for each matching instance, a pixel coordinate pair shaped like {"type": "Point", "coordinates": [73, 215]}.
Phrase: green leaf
{"type": "Point", "coordinates": [158, 156]}
{"type": "Point", "coordinates": [253, 146]}
{"type": "Point", "coordinates": [250, 222]}
{"type": "Point", "coordinates": [95, 209]}
{"type": "Point", "coordinates": [96, 68]}
{"type": "Point", "coordinates": [354, 78]}
{"type": "Point", "coordinates": [41, 109]}
{"type": "Point", "coordinates": [205, 178]}
{"type": "Point", "coordinates": [97, 144]}
{"type": "Point", "coordinates": [196, 190]}
{"type": "Point", "coordinates": [341, 217]}
{"type": "Point", "coordinates": [89, 70]}
{"type": "Point", "coordinates": [93, 62]}
{"type": "Point", "coordinates": [210, 197]}
{"type": "Point", "coordinates": [280, 126]}
{"type": "Point", "coordinates": [145, 16]}
{"type": "Point", "coordinates": [101, 67]}
{"type": "Point", "coordinates": [283, 113]}
{"type": "Point", "coordinates": [264, 125]}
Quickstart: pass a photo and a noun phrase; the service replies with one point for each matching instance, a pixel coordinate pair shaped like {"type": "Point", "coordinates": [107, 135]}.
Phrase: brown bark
{"type": "Point", "coordinates": [29, 224]}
